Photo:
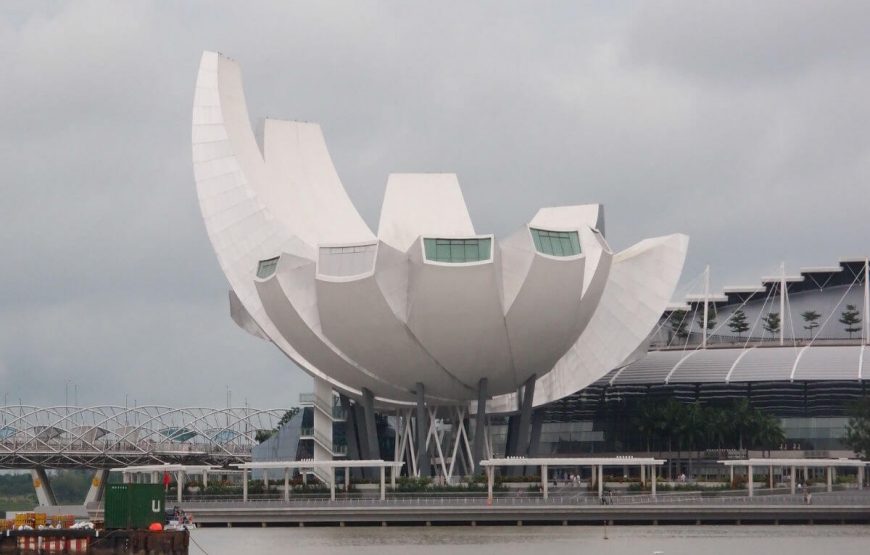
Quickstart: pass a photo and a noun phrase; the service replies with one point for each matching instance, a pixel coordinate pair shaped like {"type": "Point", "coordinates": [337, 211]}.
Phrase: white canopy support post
{"type": "Point", "coordinates": [489, 472]}
{"type": "Point", "coordinates": [204, 478]}
{"type": "Point", "coordinates": [642, 475]}
{"type": "Point", "coordinates": [867, 301]}
{"type": "Point", "coordinates": [286, 484]}
{"type": "Point", "coordinates": [180, 485]}
{"type": "Point", "coordinates": [782, 294]}
{"type": "Point", "coordinates": [829, 479]}
{"type": "Point", "coordinates": [244, 485]}
{"type": "Point", "coordinates": [544, 481]}
{"type": "Point", "coordinates": [731, 476]}
{"type": "Point", "coordinates": [265, 481]}
{"type": "Point", "coordinates": [600, 481]}
{"type": "Point", "coordinates": [860, 477]}
{"type": "Point", "coordinates": [653, 476]}
{"type": "Point", "coordinates": [393, 470]}
{"type": "Point", "coordinates": [793, 480]}
{"type": "Point", "coordinates": [383, 484]}
{"type": "Point", "coordinates": [347, 479]}
{"type": "Point", "coordinates": [749, 480]}
{"type": "Point", "coordinates": [332, 483]}
{"type": "Point", "coordinates": [770, 476]}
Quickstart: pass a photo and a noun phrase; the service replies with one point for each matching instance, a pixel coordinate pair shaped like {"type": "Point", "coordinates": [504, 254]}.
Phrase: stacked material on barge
{"type": "Point", "coordinates": [87, 541]}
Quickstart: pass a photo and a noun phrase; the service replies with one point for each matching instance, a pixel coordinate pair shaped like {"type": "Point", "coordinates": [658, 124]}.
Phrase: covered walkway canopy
{"type": "Point", "coordinates": [794, 463]}
{"type": "Point", "coordinates": [311, 464]}
{"type": "Point", "coordinates": [593, 462]}
{"type": "Point", "coordinates": [129, 472]}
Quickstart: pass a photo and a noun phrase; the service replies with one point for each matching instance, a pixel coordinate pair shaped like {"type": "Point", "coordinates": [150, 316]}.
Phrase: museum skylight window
{"type": "Point", "coordinates": [556, 243]}
{"type": "Point", "coordinates": [458, 250]}
{"type": "Point", "coordinates": [346, 261]}
{"type": "Point", "coordinates": [267, 267]}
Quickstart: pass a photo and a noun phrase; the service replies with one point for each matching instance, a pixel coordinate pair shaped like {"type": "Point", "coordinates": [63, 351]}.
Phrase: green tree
{"type": "Point", "coordinates": [858, 428]}
{"type": "Point", "coordinates": [743, 417]}
{"type": "Point", "coordinates": [711, 317]}
{"type": "Point", "coordinates": [767, 431]}
{"type": "Point", "coordinates": [738, 323]}
{"type": "Point", "coordinates": [811, 318]}
{"type": "Point", "coordinates": [679, 323]}
{"type": "Point", "coordinates": [771, 323]}
{"type": "Point", "coordinates": [646, 422]}
{"type": "Point", "coordinates": [263, 435]}
{"type": "Point", "coordinates": [851, 318]}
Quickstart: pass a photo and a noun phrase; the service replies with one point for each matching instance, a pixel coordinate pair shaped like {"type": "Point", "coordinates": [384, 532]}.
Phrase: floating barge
{"type": "Point", "coordinates": [93, 542]}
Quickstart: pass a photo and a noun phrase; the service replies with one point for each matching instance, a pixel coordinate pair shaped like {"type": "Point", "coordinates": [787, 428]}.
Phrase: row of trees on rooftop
{"type": "Point", "coordinates": [771, 322]}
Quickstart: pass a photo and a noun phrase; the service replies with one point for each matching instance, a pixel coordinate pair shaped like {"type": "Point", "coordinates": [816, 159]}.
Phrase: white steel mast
{"type": "Point", "coordinates": [706, 305]}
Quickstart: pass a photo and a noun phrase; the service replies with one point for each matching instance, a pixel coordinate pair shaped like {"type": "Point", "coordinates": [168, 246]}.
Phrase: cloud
{"type": "Point", "coordinates": [741, 124]}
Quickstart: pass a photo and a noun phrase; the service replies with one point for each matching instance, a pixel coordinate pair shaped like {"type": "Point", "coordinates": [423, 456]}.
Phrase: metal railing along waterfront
{"type": "Point", "coordinates": [844, 498]}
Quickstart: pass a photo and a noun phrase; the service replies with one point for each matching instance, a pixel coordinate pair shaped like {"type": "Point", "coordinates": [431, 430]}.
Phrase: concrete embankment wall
{"type": "Point", "coordinates": [246, 515]}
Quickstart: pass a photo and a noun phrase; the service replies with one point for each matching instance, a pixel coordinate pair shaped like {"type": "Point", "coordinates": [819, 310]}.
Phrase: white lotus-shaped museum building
{"type": "Point", "coordinates": [428, 310]}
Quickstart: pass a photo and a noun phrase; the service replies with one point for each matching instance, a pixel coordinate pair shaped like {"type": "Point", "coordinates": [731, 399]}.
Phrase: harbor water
{"type": "Point", "coordinates": [537, 540]}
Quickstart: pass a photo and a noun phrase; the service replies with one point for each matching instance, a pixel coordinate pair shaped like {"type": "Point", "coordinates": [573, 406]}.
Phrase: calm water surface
{"type": "Point", "coordinates": [539, 540]}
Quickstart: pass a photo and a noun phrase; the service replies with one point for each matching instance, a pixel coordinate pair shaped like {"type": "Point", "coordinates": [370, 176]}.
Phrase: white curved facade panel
{"type": "Point", "coordinates": [289, 296]}
{"type": "Point", "coordinates": [455, 312]}
{"type": "Point", "coordinates": [421, 302]}
{"type": "Point", "coordinates": [348, 307]}
{"type": "Point", "coordinates": [241, 229]}
{"type": "Point", "coordinates": [240, 316]}
{"type": "Point", "coordinates": [543, 320]}
{"type": "Point", "coordinates": [418, 204]}
{"type": "Point", "coordinates": [642, 280]}
{"type": "Point", "coordinates": [309, 198]}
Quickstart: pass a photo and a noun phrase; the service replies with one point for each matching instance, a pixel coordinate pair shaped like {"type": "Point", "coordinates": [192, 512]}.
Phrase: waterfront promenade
{"type": "Point", "coordinates": [844, 506]}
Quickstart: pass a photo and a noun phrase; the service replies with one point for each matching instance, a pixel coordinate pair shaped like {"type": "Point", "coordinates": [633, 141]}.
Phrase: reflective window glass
{"type": "Point", "coordinates": [457, 250]}
{"type": "Point", "coordinates": [267, 267]}
{"type": "Point", "coordinates": [556, 243]}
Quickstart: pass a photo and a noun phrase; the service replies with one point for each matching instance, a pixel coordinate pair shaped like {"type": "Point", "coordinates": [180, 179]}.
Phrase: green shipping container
{"type": "Point", "coordinates": [134, 505]}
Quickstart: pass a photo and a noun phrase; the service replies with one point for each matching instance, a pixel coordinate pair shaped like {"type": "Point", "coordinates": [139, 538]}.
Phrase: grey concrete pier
{"type": "Point", "coordinates": [845, 508]}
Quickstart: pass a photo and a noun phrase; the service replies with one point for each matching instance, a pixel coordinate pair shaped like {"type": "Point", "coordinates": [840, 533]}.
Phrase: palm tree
{"type": "Point", "coordinates": [693, 429]}
{"type": "Point", "coordinates": [646, 422]}
{"type": "Point", "coordinates": [767, 431]}
{"type": "Point", "coordinates": [743, 417]}
{"type": "Point", "coordinates": [672, 423]}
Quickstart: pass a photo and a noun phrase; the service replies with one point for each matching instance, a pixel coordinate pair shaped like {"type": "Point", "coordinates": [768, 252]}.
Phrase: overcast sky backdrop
{"type": "Point", "coordinates": [741, 123]}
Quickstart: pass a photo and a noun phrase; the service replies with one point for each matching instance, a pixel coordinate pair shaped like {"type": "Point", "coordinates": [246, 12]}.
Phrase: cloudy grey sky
{"type": "Point", "coordinates": [742, 123]}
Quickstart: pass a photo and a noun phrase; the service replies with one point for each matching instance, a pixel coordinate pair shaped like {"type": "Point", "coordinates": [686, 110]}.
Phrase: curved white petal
{"type": "Point", "coordinates": [290, 299]}
{"type": "Point", "coordinates": [641, 281]}
{"type": "Point", "coordinates": [455, 312]}
{"type": "Point", "coordinates": [418, 204]}
{"type": "Point", "coordinates": [303, 189]}
{"type": "Point", "coordinates": [351, 306]}
{"type": "Point", "coordinates": [227, 164]}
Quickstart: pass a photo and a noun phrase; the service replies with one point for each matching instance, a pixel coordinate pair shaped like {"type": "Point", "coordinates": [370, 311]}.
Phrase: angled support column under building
{"type": "Point", "coordinates": [423, 459]}
{"type": "Point", "coordinates": [479, 426]}
{"type": "Point", "coordinates": [371, 425]}
{"type": "Point", "coordinates": [44, 493]}
{"type": "Point", "coordinates": [350, 433]}
{"type": "Point", "coordinates": [537, 426]}
{"type": "Point", "coordinates": [525, 423]}
{"type": "Point", "coordinates": [359, 418]}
